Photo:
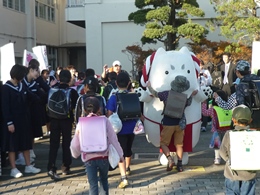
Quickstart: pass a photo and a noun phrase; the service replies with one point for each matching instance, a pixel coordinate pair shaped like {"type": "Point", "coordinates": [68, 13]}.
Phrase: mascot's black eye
{"type": "Point", "coordinates": [166, 72]}
{"type": "Point", "coordinates": [188, 71]}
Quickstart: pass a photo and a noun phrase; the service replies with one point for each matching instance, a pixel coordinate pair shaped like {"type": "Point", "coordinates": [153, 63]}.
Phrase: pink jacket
{"type": "Point", "coordinates": [112, 139]}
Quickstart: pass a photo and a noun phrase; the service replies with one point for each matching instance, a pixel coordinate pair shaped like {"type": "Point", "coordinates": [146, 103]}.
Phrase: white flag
{"type": "Point", "coordinates": [255, 57]}
{"type": "Point", "coordinates": [27, 57]}
{"type": "Point", "coordinates": [7, 61]}
{"type": "Point", "coordinates": [41, 53]}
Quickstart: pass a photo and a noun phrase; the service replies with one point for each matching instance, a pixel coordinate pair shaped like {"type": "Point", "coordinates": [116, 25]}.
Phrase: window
{"type": "Point", "coordinates": [18, 5]}
{"type": "Point", "coordinates": [45, 9]}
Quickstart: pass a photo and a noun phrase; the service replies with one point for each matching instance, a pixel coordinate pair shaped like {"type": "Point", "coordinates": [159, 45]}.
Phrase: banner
{"type": "Point", "coordinates": [7, 61]}
{"type": "Point", "coordinates": [255, 57]}
{"type": "Point", "coordinates": [41, 53]}
{"type": "Point", "coordinates": [27, 57]}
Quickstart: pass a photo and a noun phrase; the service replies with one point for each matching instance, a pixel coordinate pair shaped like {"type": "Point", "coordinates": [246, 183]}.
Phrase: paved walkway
{"type": "Point", "coordinates": [200, 177]}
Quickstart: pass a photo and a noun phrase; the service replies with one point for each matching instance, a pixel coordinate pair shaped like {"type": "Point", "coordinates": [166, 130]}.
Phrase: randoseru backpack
{"type": "Point", "coordinates": [93, 134]}
{"type": "Point", "coordinates": [244, 150]}
{"type": "Point", "coordinates": [175, 104]}
{"type": "Point", "coordinates": [253, 102]}
{"type": "Point", "coordinates": [58, 105]}
{"type": "Point", "coordinates": [128, 106]}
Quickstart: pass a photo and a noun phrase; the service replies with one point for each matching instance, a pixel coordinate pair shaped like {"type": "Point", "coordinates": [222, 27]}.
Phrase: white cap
{"type": "Point", "coordinates": [116, 63]}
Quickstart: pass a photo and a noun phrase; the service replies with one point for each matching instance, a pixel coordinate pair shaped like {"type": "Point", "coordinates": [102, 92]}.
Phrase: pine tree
{"type": "Point", "coordinates": [237, 20]}
{"type": "Point", "coordinates": [168, 21]}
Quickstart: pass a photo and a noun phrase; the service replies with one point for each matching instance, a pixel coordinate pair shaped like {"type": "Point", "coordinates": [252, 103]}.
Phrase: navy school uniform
{"type": "Point", "coordinates": [36, 109]}
{"type": "Point", "coordinates": [16, 111]}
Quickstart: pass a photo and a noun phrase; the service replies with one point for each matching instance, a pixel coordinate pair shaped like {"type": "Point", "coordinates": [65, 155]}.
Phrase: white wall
{"type": "Point", "coordinates": [108, 31]}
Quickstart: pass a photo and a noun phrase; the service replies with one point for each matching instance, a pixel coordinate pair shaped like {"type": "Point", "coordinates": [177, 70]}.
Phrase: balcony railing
{"type": "Point", "coordinates": [75, 3]}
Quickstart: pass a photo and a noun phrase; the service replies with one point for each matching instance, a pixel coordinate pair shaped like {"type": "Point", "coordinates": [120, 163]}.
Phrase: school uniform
{"type": "Point", "coordinates": [36, 111]}
{"type": "Point", "coordinates": [62, 127]}
{"type": "Point", "coordinates": [15, 109]}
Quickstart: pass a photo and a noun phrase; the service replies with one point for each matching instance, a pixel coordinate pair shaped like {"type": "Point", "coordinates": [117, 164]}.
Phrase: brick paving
{"type": "Point", "coordinates": [147, 175]}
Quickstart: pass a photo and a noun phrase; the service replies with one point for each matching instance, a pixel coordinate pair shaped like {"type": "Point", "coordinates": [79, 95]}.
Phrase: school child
{"type": "Point", "coordinates": [110, 85]}
{"type": "Point", "coordinates": [17, 135]}
{"type": "Point", "coordinates": [126, 135]}
{"type": "Point", "coordinates": [96, 161]}
{"type": "Point", "coordinates": [237, 181]}
{"type": "Point", "coordinates": [62, 127]}
{"type": "Point", "coordinates": [219, 116]}
{"type": "Point", "coordinates": [90, 88]}
{"type": "Point", "coordinates": [173, 126]}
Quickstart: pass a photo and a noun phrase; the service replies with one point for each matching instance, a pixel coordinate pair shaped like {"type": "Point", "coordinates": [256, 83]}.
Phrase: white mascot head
{"type": "Point", "coordinates": [160, 69]}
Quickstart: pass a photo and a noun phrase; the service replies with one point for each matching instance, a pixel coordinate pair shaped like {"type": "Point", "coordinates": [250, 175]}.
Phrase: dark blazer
{"type": "Point", "coordinates": [231, 78]}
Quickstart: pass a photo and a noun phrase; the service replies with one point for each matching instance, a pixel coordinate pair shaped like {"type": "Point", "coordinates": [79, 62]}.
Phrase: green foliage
{"type": "Point", "coordinates": [167, 21]}
{"type": "Point", "coordinates": [237, 20]}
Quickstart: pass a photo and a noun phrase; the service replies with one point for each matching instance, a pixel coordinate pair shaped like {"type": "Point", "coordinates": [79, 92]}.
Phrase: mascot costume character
{"type": "Point", "coordinates": [160, 69]}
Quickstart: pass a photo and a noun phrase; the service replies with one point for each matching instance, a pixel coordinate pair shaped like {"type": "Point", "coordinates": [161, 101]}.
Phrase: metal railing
{"type": "Point", "coordinates": [75, 3]}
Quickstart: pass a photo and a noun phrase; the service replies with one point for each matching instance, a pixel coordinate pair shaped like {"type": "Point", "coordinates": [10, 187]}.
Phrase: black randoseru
{"type": "Point", "coordinates": [128, 106]}
{"type": "Point", "coordinates": [253, 102]}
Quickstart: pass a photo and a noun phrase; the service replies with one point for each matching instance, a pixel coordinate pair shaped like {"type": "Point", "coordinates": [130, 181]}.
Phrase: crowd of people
{"type": "Point", "coordinates": [232, 105]}
{"type": "Point", "coordinates": [25, 96]}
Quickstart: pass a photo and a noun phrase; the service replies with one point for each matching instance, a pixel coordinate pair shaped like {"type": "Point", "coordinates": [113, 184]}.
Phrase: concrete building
{"type": "Point", "coordinates": [28, 23]}
{"type": "Point", "coordinates": [83, 33]}
{"type": "Point", "coordinates": [108, 30]}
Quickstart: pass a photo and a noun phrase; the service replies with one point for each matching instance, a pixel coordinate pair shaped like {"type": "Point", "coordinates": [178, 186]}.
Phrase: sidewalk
{"type": "Point", "coordinates": [147, 175]}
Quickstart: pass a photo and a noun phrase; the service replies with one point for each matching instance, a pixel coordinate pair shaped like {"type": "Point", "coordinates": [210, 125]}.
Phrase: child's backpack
{"type": "Point", "coordinates": [113, 91]}
{"type": "Point", "coordinates": [128, 106]}
{"type": "Point", "coordinates": [58, 105]}
{"type": "Point", "coordinates": [244, 150]}
{"type": "Point", "coordinates": [253, 102]}
{"type": "Point", "coordinates": [175, 104]}
{"type": "Point", "coordinates": [224, 118]}
{"type": "Point", "coordinates": [92, 134]}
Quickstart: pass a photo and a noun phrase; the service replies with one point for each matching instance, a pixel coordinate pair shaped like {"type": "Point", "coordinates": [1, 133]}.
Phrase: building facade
{"type": "Point", "coordinates": [83, 33]}
{"type": "Point", "coordinates": [42, 22]}
{"type": "Point", "coordinates": [108, 30]}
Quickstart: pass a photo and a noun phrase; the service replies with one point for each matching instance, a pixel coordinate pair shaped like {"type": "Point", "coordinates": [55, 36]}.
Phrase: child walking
{"type": "Point", "coordinates": [237, 181]}
{"type": "Point", "coordinates": [126, 135]}
{"type": "Point", "coordinates": [219, 116]}
{"type": "Point", "coordinates": [96, 162]}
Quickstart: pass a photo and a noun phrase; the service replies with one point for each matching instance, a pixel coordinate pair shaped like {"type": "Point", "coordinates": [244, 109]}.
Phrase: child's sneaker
{"type": "Point", "coordinates": [170, 163]}
{"type": "Point", "coordinates": [31, 169]}
{"type": "Point", "coordinates": [179, 167]}
{"type": "Point", "coordinates": [203, 129]}
{"type": "Point", "coordinates": [217, 161]}
{"type": "Point", "coordinates": [123, 184]}
{"type": "Point", "coordinates": [53, 175]}
{"type": "Point", "coordinates": [15, 173]}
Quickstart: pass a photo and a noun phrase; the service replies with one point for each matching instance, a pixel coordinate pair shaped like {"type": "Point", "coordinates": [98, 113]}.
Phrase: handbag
{"type": "Point", "coordinates": [139, 128]}
{"type": "Point", "coordinates": [113, 156]}
{"type": "Point", "coordinates": [115, 122]}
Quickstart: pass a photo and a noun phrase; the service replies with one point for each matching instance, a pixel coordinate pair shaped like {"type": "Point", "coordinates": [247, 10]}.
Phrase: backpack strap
{"type": "Point", "coordinates": [82, 107]}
